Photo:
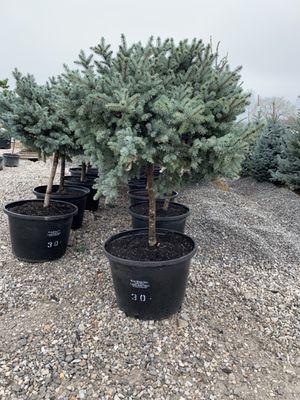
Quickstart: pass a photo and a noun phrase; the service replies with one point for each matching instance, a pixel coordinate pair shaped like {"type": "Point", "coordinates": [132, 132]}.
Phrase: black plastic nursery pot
{"type": "Point", "coordinates": [150, 290]}
{"type": "Point", "coordinates": [137, 184]}
{"type": "Point", "coordinates": [90, 172]}
{"type": "Point", "coordinates": [174, 219]}
{"type": "Point", "coordinates": [139, 196]}
{"type": "Point", "coordinates": [38, 238]}
{"type": "Point", "coordinates": [72, 194]}
{"type": "Point", "coordinates": [91, 204]}
{"type": "Point", "coordinates": [11, 160]}
{"type": "Point", "coordinates": [1, 163]}
{"type": "Point", "coordinates": [4, 144]}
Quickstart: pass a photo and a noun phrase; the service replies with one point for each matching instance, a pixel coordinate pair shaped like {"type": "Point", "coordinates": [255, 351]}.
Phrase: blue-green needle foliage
{"type": "Point", "coordinates": [288, 171]}
{"type": "Point", "coordinates": [173, 105]}
{"type": "Point", "coordinates": [32, 114]}
{"type": "Point", "coordinates": [264, 159]}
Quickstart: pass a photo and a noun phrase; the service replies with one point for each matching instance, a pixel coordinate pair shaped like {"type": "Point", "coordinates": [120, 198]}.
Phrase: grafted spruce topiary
{"type": "Point", "coordinates": [33, 115]}
{"type": "Point", "coordinates": [167, 104]}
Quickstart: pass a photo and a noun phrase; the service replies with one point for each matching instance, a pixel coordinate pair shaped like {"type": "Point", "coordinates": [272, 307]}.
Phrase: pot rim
{"type": "Point", "coordinates": [133, 263]}
{"type": "Point", "coordinates": [13, 155]}
{"type": "Point", "coordinates": [84, 192]}
{"type": "Point", "coordinates": [172, 218]}
{"type": "Point", "coordinates": [89, 181]}
{"type": "Point", "coordinates": [132, 194]}
{"type": "Point", "coordinates": [10, 213]}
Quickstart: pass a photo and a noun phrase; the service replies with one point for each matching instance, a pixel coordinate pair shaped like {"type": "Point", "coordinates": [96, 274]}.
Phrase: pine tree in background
{"type": "Point", "coordinates": [289, 160]}
{"type": "Point", "coordinates": [264, 160]}
{"type": "Point", "coordinates": [167, 104]}
{"type": "Point", "coordinates": [32, 114]}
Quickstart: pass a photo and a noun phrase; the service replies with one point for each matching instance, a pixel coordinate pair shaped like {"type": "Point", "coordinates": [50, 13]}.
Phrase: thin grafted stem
{"type": "Point", "coordinates": [51, 179]}
{"type": "Point", "coordinates": [152, 206]}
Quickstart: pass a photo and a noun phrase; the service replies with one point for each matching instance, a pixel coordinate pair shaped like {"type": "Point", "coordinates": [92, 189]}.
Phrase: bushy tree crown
{"type": "Point", "coordinates": [31, 114]}
{"type": "Point", "coordinates": [174, 105]}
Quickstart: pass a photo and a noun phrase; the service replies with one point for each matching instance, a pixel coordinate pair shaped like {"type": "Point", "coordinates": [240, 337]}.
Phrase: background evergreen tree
{"type": "Point", "coordinates": [32, 114]}
{"type": "Point", "coordinates": [167, 104]}
{"type": "Point", "coordinates": [264, 159]}
{"type": "Point", "coordinates": [288, 171]}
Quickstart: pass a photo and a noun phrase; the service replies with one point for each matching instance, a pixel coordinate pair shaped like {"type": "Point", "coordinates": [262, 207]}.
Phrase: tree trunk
{"type": "Point", "coordinates": [13, 146]}
{"type": "Point", "coordinates": [62, 173]}
{"type": "Point", "coordinates": [167, 202]}
{"type": "Point", "coordinates": [83, 172]}
{"type": "Point", "coordinates": [152, 206]}
{"type": "Point", "coordinates": [51, 179]}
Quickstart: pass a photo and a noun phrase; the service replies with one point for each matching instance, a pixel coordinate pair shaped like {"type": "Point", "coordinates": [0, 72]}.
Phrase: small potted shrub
{"type": "Point", "coordinates": [11, 159]}
{"type": "Point", "coordinates": [31, 114]}
{"type": "Point", "coordinates": [166, 104]}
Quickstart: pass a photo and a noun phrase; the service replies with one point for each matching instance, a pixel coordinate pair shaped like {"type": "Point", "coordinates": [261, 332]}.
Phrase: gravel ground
{"type": "Point", "coordinates": [237, 336]}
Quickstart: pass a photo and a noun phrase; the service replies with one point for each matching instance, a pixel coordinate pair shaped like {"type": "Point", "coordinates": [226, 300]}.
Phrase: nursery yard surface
{"type": "Point", "coordinates": [237, 336]}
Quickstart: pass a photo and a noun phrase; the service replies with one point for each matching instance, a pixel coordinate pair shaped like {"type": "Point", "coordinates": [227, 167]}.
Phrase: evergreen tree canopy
{"type": "Point", "coordinates": [289, 160]}
{"type": "Point", "coordinates": [173, 105]}
{"type": "Point", "coordinates": [31, 114]}
{"type": "Point", "coordinates": [264, 160]}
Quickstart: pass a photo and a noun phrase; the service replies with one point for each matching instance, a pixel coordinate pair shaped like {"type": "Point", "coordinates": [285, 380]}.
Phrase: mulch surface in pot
{"type": "Point", "coordinates": [172, 211]}
{"type": "Point", "coordinates": [38, 209]}
{"type": "Point", "coordinates": [170, 246]}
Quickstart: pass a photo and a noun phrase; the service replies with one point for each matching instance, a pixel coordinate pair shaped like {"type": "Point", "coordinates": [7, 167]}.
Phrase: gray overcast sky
{"type": "Point", "coordinates": [38, 36]}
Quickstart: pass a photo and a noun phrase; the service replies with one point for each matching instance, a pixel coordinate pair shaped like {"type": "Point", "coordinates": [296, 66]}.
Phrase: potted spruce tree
{"type": "Point", "coordinates": [30, 112]}
{"type": "Point", "coordinates": [166, 104]}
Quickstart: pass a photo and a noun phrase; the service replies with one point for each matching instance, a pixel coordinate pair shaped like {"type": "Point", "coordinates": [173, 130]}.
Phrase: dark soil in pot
{"type": "Point", "coordinates": [139, 196]}
{"type": "Point", "coordinates": [152, 284]}
{"type": "Point", "coordinates": [72, 194]}
{"type": "Point", "coordinates": [174, 218]}
{"type": "Point", "coordinates": [39, 234]}
{"type": "Point", "coordinates": [4, 144]}
{"type": "Point", "coordinates": [11, 160]}
{"type": "Point", "coordinates": [91, 204]}
{"type": "Point", "coordinates": [38, 209]}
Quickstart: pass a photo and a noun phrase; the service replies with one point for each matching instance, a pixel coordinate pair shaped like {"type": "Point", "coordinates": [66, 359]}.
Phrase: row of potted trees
{"type": "Point", "coordinates": [154, 117]}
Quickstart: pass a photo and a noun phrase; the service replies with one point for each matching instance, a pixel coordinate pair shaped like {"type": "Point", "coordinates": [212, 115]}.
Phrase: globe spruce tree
{"type": "Point", "coordinates": [264, 158]}
{"type": "Point", "coordinates": [288, 171]}
{"type": "Point", "coordinates": [32, 114]}
{"type": "Point", "coordinates": [167, 104]}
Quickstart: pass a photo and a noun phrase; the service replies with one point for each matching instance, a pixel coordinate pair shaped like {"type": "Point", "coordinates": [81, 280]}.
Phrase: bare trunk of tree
{"type": "Point", "coordinates": [167, 202]}
{"type": "Point", "coordinates": [51, 179]}
{"type": "Point", "coordinates": [62, 173]}
{"type": "Point", "coordinates": [83, 172]}
{"type": "Point", "coordinates": [152, 206]}
{"type": "Point", "coordinates": [13, 146]}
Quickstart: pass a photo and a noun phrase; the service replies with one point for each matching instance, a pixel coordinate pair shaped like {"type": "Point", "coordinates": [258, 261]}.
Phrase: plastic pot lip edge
{"type": "Point", "coordinates": [11, 213]}
{"type": "Point", "coordinates": [71, 179]}
{"type": "Point", "coordinates": [132, 195]}
{"type": "Point", "coordinates": [134, 263]}
{"type": "Point", "coordinates": [173, 218]}
{"type": "Point", "coordinates": [12, 155]}
{"type": "Point", "coordinates": [82, 189]}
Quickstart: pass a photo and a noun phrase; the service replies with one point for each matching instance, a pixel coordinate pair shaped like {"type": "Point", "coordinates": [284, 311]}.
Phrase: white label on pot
{"type": "Point", "coordinates": [139, 284]}
{"type": "Point", "coordinates": [52, 244]}
{"type": "Point", "coordinates": [138, 297]}
{"type": "Point", "coordinates": [54, 233]}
